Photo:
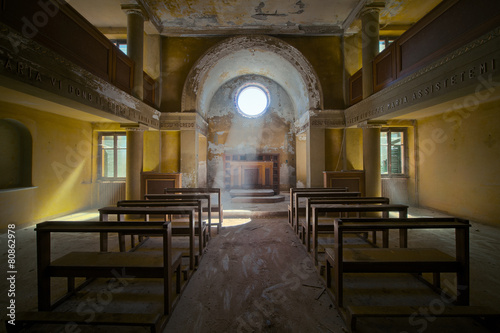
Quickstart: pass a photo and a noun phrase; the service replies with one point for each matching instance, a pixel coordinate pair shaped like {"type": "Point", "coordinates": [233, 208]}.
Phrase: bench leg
{"type": "Point", "coordinates": [351, 321]}
{"type": "Point", "coordinates": [121, 242]}
{"type": "Point", "coordinates": [328, 273]}
{"type": "Point", "coordinates": [71, 284]}
{"type": "Point", "coordinates": [436, 280]}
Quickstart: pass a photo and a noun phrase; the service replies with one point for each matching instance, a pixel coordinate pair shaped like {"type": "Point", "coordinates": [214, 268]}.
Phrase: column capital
{"type": "Point", "coordinates": [372, 124]}
{"type": "Point", "coordinates": [133, 127]}
{"type": "Point", "coordinates": [375, 6]}
{"type": "Point", "coordinates": [135, 9]}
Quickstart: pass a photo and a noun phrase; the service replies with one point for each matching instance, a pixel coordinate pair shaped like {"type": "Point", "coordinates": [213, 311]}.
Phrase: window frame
{"type": "Point", "coordinates": [100, 168]}
{"type": "Point", "coordinates": [404, 159]}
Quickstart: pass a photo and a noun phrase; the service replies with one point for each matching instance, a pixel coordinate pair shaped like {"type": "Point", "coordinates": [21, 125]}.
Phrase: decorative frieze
{"type": "Point", "coordinates": [67, 83]}
{"type": "Point", "coordinates": [472, 67]}
{"type": "Point", "coordinates": [176, 121]}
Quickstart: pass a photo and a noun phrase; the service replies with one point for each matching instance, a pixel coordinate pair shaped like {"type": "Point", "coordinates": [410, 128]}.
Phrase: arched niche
{"type": "Point", "coordinates": [252, 55]}
{"type": "Point", "coordinates": [16, 151]}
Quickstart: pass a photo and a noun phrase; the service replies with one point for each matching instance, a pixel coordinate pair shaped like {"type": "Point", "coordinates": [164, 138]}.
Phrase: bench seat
{"type": "Point", "coordinates": [24, 319]}
{"type": "Point", "coordinates": [355, 312]}
{"type": "Point", "coordinates": [102, 264]}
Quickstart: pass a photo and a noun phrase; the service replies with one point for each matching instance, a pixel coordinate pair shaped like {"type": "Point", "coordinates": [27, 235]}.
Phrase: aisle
{"type": "Point", "coordinates": [255, 277]}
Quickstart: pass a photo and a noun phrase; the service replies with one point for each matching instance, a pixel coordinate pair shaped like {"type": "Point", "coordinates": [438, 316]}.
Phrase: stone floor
{"type": "Point", "coordinates": [255, 276]}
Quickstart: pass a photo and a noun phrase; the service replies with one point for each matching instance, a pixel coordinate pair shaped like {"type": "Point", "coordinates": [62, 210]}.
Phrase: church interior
{"type": "Point", "coordinates": [250, 166]}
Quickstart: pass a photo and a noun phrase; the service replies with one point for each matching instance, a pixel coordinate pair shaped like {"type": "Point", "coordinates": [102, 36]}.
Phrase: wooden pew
{"type": "Point", "coordinates": [318, 209]}
{"type": "Point", "coordinates": [71, 319]}
{"type": "Point", "coordinates": [399, 260]}
{"type": "Point", "coordinates": [203, 190]}
{"type": "Point", "coordinates": [483, 313]}
{"type": "Point", "coordinates": [306, 226]}
{"type": "Point", "coordinates": [315, 194]}
{"type": "Point", "coordinates": [163, 211]}
{"type": "Point", "coordinates": [176, 229]}
{"type": "Point", "coordinates": [186, 196]}
{"type": "Point", "coordinates": [307, 189]}
{"type": "Point", "coordinates": [105, 264]}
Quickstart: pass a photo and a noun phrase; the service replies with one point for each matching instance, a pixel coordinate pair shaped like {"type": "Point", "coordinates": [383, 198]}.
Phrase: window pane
{"type": "Point", "coordinates": [396, 138]}
{"type": "Point", "coordinates": [381, 45]}
{"type": "Point", "coordinates": [109, 163]}
{"type": "Point", "coordinates": [121, 163]}
{"type": "Point", "coordinates": [108, 141]}
{"type": "Point", "coordinates": [384, 162]}
{"type": "Point", "coordinates": [121, 141]}
{"type": "Point", "coordinates": [396, 159]}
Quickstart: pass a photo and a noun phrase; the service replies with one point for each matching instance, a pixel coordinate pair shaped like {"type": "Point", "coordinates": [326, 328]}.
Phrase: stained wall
{"type": "Point", "coordinates": [459, 156]}
{"type": "Point", "coordinates": [61, 172]}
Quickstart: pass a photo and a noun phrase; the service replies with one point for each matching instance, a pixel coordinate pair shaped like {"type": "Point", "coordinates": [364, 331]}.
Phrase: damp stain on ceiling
{"type": "Point", "coordinates": [230, 17]}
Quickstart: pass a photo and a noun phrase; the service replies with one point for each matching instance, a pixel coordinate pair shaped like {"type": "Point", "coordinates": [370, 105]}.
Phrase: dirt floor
{"type": "Point", "coordinates": [255, 276]}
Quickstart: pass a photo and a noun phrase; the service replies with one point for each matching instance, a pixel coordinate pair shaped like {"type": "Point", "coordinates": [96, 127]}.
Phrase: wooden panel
{"type": "Point", "coordinates": [450, 25]}
{"type": "Point", "coordinates": [354, 180]}
{"type": "Point", "coordinates": [149, 95]}
{"type": "Point", "coordinates": [155, 182]}
{"type": "Point", "coordinates": [355, 88]}
{"type": "Point", "coordinates": [384, 68]}
{"type": "Point", "coordinates": [61, 28]}
{"type": "Point", "coordinates": [123, 72]}
{"type": "Point", "coordinates": [64, 30]}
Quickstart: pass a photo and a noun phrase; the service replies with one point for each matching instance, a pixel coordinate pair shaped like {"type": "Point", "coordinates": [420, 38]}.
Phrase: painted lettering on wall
{"type": "Point", "coordinates": [449, 82]}
{"type": "Point", "coordinates": [30, 72]}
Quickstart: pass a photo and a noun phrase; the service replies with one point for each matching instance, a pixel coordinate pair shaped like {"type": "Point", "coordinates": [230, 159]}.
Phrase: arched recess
{"type": "Point", "coordinates": [246, 55]}
{"type": "Point", "coordinates": [16, 151]}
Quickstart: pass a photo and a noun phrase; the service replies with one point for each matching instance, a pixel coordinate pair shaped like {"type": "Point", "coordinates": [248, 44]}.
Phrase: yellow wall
{"type": "Point", "coordinates": [170, 151]}
{"type": "Point", "coordinates": [354, 149]}
{"type": "Point", "coordinates": [61, 175]}
{"type": "Point", "coordinates": [333, 149]}
{"type": "Point", "coordinates": [459, 159]}
{"type": "Point", "coordinates": [151, 151]}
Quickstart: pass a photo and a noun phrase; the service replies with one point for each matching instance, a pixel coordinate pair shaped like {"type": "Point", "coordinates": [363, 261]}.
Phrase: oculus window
{"type": "Point", "coordinates": [112, 158]}
{"type": "Point", "coordinates": [252, 100]}
{"type": "Point", "coordinates": [392, 152]}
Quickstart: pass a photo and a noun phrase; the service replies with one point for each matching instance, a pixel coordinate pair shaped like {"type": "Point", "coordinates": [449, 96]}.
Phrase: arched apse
{"type": "Point", "coordinates": [231, 132]}
{"type": "Point", "coordinates": [258, 55]}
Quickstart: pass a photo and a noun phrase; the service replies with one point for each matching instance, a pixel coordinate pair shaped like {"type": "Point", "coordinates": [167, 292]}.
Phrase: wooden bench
{"type": "Point", "coordinates": [478, 312]}
{"type": "Point", "coordinates": [307, 189]}
{"type": "Point", "coordinates": [71, 319]}
{"type": "Point", "coordinates": [177, 228]}
{"type": "Point", "coordinates": [318, 209]}
{"type": "Point", "coordinates": [203, 190]}
{"type": "Point", "coordinates": [186, 196]}
{"type": "Point", "coordinates": [105, 264]}
{"type": "Point", "coordinates": [321, 194]}
{"type": "Point", "coordinates": [104, 213]}
{"type": "Point", "coordinates": [306, 227]}
{"type": "Point", "coordinates": [399, 260]}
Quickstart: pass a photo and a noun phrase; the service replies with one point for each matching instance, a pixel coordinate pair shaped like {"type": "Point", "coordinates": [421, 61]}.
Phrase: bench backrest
{"type": "Point", "coordinates": [95, 226]}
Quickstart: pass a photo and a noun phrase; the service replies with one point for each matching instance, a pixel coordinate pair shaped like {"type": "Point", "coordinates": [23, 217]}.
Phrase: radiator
{"type": "Point", "coordinates": [110, 193]}
{"type": "Point", "coordinates": [396, 189]}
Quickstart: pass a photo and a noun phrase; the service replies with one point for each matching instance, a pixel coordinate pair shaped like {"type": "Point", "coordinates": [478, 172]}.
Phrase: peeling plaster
{"type": "Point", "coordinates": [261, 55]}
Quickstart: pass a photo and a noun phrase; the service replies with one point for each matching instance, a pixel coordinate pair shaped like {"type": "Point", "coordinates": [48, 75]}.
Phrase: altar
{"type": "Point", "coordinates": [252, 171]}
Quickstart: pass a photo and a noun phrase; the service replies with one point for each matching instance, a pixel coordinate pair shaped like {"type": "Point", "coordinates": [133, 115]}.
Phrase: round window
{"type": "Point", "coordinates": [252, 100]}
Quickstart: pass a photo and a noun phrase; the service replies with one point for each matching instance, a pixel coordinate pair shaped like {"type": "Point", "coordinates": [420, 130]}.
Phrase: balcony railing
{"type": "Point", "coordinates": [447, 27]}
{"type": "Point", "coordinates": [56, 25]}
